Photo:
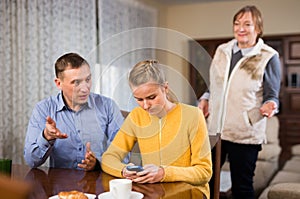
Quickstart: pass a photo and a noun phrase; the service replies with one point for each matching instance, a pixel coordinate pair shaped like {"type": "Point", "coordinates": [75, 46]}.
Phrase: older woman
{"type": "Point", "coordinates": [244, 89]}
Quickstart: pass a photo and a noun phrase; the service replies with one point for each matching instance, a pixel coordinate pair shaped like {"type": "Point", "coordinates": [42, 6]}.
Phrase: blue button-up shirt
{"type": "Point", "coordinates": [97, 122]}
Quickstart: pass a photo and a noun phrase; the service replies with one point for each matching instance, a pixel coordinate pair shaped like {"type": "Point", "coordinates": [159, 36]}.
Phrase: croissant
{"type": "Point", "coordinates": [72, 195]}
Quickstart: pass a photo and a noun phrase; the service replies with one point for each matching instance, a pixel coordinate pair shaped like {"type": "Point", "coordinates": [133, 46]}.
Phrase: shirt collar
{"type": "Point", "coordinates": [62, 105]}
{"type": "Point", "coordinates": [244, 51]}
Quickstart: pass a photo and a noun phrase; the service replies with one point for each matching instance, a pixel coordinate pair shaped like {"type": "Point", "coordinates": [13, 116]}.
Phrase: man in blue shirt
{"type": "Point", "coordinates": [74, 127]}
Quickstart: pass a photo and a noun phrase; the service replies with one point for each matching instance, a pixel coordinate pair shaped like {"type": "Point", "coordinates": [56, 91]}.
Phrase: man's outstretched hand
{"type": "Point", "coordinates": [51, 132]}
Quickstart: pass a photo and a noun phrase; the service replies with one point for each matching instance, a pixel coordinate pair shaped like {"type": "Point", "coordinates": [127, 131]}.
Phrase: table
{"type": "Point", "coordinates": [49, 181]}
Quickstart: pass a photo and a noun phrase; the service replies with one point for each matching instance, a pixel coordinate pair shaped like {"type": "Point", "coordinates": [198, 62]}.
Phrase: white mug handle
{"type": "Point", "coordinates": [114, 193]}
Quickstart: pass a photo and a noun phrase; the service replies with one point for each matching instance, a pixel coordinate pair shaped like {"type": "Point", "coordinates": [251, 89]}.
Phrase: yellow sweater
{"type": "Point", "coordinates": [179, 142]}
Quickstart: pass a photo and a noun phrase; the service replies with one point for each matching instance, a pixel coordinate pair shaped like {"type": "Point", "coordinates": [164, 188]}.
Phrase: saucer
{"type": "Point", "coordinates": [90, 196]}
{"type": "Point", "coordinates": [134, 195]}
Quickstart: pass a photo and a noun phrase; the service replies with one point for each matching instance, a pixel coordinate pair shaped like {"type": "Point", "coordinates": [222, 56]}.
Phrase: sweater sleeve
{"type": "Point", "coordinates": [117, 151]}
{"type": "Point", "coordinates": [200, 170]}
{"type": "Point", "coordinates": [272, 80]}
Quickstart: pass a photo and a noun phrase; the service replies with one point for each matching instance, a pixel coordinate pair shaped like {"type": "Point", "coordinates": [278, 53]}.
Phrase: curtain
{"type": "Point", "coordinates": [33, 34]}
{"type": "Point", "coordinates": [124, 41]}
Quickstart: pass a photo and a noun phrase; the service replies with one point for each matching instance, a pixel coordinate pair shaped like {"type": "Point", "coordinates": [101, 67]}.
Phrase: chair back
{"type": "Point", "coordinates": [13, 189]}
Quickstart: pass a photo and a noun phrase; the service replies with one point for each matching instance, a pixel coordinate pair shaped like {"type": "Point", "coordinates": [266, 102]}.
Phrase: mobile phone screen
{"type": "Point", "coordinates": [135, 168]}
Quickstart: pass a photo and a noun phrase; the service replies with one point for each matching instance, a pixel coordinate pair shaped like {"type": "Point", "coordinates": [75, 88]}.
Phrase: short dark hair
{"type": "Point", "coordinates": [72, 60]}
{"type": "Point", "coordinates": [256, 15]}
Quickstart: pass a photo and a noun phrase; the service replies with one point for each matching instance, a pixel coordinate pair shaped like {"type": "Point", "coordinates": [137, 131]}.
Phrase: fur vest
{"type": "Point", "coordinates": [235, 101]}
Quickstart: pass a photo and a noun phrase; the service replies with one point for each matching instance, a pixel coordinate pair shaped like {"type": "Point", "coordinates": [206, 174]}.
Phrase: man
{"type": "Point", "coordinates": [74, 127]}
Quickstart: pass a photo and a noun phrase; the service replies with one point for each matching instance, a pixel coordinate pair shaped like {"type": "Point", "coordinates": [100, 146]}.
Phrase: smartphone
{"type": "Point", "coordinates": [134, 168]}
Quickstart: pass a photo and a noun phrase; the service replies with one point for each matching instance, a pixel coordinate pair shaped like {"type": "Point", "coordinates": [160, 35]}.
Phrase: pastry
{"type": "Point", "coordinates": [72, 195]}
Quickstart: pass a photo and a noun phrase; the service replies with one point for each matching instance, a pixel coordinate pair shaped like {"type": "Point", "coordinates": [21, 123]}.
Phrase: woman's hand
{"type": "Point", "coordinates": [150, 174]}
{"type": "Point", "coordinates": [129, 174]}
{"type": "Point", "coordinates": [268, 109]}
{"type": "Point", "coordinates": [203, 105]}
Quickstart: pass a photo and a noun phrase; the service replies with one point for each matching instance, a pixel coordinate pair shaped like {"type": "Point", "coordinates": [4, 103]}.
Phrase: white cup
{"type": "Point", "coordinates": [120, 188]}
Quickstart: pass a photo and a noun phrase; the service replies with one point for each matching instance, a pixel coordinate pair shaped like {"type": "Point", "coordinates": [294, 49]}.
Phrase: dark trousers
{"type": "Point", "coordinates": [242, 160]}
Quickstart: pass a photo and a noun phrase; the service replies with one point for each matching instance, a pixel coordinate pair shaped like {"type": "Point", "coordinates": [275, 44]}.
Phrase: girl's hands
{"type": "Point", "coordinates": [150, 174]}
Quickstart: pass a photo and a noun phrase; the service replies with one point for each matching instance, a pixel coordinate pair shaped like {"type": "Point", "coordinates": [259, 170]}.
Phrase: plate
{"type": "Point", "coordinates": [134, 195]}
{"type": "Point", "coordinates": [90, 196]}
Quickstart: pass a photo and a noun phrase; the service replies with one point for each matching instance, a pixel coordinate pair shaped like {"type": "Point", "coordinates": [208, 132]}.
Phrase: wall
{"type": "Point", "coordinates": [214, 20]}
{"type": "Point", "coordinates": [211, 20]}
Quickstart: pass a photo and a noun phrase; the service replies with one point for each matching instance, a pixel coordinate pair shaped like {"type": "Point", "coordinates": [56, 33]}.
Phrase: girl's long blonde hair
{"type": "Point", "coordinates": [149, 71]}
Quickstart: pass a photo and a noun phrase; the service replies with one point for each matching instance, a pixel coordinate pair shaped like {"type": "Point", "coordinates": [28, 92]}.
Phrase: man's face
{"type": "Point", "coordinates": [75, 85]}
